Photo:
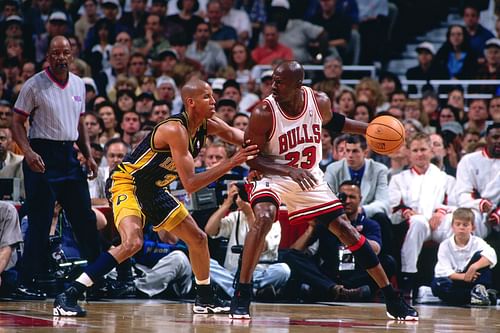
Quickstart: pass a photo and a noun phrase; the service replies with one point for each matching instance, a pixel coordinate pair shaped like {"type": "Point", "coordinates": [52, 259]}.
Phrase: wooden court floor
{"type": "Point", "coordinates": [146, 316]}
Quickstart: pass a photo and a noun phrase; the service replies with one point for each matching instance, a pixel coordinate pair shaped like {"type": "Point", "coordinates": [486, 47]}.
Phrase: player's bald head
{"type": "Point", "coordinates": [292, 69]}
{"type": "Point", "coordinates": [59, 41]}
{"type": "Point", "coordinates": [192, 88]}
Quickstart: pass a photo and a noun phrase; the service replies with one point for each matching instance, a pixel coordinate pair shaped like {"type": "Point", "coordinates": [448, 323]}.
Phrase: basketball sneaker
{"type": "Point", "coordinates": [342, 294]}
{"type": "Point", "coordinates": [66, 304]}
{"type": "Point", "coordinates": [479, 295]}
{"type": "Point", "coordinates": [240, 304]}
{"type": "Point", "coordinates": [398, 309]}
{"type": "Point", "coordinates": [206, 301]}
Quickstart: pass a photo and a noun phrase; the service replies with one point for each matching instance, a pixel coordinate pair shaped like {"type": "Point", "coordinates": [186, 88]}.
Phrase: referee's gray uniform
{"type": "Point", "coordinates": [54, 112]}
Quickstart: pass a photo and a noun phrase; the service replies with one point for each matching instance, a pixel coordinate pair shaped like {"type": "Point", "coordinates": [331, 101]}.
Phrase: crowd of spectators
{"type": "Point", "coordinates": [135, 55]}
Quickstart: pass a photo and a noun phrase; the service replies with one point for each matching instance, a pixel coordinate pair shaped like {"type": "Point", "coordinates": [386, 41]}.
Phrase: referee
{"type": "Point", "coordinates": [54, 100]}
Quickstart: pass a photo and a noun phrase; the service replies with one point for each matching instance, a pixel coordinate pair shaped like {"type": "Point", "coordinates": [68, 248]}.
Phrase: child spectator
{"type": "Point", "coordinates": [463, 271]}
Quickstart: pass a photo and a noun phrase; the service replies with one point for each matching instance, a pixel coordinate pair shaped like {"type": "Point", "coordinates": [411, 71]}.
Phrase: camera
{"type": "Point", "coordinates": [242, 192]}
{"type": "Point", "coordinates": [237, 249]}
{"type": "Point", "coordinates": [342, 197]}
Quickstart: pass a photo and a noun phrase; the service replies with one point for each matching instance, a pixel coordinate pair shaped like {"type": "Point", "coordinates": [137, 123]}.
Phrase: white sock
{"type": "Point", "coordinates": [85, 280]}
{"type": "Point", "coordinates": [202, 282]}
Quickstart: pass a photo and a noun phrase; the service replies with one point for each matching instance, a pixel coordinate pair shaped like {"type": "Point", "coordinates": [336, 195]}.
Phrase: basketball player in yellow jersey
{"type": "Point", "coordinates": [140, 195]}
{"type": "Point", "coordinates": [287, 130]}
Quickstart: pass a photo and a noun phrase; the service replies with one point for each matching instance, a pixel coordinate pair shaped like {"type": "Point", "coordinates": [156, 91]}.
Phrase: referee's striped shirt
{"type": "Point", "coordinates": [54, 109]}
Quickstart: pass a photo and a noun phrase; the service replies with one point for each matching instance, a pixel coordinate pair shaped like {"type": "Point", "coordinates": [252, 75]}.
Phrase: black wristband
{"type": "Point", "coordinates": [336, 124]}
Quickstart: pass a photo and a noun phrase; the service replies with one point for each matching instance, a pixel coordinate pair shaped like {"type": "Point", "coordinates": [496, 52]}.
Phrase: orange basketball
{"type": "Point", "coordinates": [385, 134]}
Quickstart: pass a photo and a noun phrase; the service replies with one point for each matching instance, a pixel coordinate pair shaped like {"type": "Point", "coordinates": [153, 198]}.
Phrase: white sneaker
{"type": "Point", "coordinates": [425, 295]}
{"type": "Point", "coordinates": [479, 295]}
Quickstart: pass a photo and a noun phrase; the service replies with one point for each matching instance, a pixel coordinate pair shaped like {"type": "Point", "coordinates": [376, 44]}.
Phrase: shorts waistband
{"type": "Point", "coordinates": [52, 142]}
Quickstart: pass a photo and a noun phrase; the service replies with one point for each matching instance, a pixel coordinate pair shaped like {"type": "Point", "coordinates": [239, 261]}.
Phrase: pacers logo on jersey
{"type": "Point", "coordinates": [121, 198]}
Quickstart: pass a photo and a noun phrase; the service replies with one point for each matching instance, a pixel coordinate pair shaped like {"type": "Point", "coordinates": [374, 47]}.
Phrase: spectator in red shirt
{"type": "Point", "coordinates": [271, 49]}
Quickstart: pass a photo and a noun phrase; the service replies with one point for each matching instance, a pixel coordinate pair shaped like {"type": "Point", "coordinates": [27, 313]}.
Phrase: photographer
{"type": "Point", "coordinates": [319, 260]}
{"type": "Point", "coordinates": [267, 278]}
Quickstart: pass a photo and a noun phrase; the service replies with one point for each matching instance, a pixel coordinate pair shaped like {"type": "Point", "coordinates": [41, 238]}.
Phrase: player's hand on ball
{"type": "Point", "coordinates": [304, 178]}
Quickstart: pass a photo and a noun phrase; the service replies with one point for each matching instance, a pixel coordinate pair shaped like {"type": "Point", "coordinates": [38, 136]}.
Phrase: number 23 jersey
{"type": "Point", "coordinates": [295, 141]}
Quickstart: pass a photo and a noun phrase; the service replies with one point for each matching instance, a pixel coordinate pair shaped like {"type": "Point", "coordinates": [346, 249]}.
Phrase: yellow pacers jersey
{"type": "Point", "coordinates": [147, 172]}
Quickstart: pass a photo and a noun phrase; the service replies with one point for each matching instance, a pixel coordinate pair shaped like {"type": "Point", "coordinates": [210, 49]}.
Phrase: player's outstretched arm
{"type": "Point", "coordinates": [336, 122]}
{"type": "Point", "coordinates": [174, 136]}
{"type": "Point", "coordinates": [259, 127]}
{"type": "Point", "coordinates": [217, 126]}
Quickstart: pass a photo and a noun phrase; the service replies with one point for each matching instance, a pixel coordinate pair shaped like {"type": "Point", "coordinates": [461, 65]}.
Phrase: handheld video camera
{"type": "Point", "coordinates": [242, 192]}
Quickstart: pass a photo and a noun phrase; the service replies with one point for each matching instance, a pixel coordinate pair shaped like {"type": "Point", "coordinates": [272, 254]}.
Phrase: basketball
{"type": "Point", "coordinates": [385, 134]}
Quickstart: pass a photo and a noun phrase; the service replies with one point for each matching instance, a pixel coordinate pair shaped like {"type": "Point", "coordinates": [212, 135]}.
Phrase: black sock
{"type": "Point", "coordinates": [80, 287]}
{"type": "Point", "coordinates": [244, 289]}
{"type": "Point", "coordinates": [389, 292]}
{"type": "Point", "coordinates": [101, 266]}
{"type": "Point", "coordinates": [124, 271]}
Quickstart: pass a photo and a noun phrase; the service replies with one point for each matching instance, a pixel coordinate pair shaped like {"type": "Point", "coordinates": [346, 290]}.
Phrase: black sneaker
{"type": "Point", "coordinates": [66, 304]}
{"type": "Point", "coordinates": [240, 305]}
{"type": "Point", "coordinates": [206, 301]}
{"type": "Point", "coordinates": [398, 309]}
{"type": "Point", "coordinates": [342, 294]}
{"type": "Point", "coordinates": [28, 294]}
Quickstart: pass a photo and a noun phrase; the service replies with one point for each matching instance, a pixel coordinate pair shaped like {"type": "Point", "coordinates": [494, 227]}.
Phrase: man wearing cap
{"type": "Point", "coordinates": [168, 59]}
{"type": "Point", "coordinates": [226, 109]}
{"type": "Point", "coordinates": [271, 49]}
{"type": "Point", "coordinates": [423, 71]}
{"type": "Point", "coordinates": [166, 89]}
{"type": "Point", "coordinates": [57, 25]}
{"type": "Point", "coordinates": [144, 105]}
{"type": "Point", "coordinates": [490, 69]}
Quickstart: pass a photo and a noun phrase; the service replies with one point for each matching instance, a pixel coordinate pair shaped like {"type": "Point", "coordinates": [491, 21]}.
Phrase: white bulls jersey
{"type": "Point", "coordinates": [296, 141]}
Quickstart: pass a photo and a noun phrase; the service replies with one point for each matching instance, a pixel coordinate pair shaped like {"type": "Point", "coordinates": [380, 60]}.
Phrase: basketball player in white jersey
{"type": "Point", "coordinates": [287, 130]}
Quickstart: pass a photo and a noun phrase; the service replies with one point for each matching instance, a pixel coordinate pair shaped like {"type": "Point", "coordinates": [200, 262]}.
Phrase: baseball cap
{"type": "Point", "coordinates": [14, 19]}
{"type": "Point", "coordinates": [89, 82]}
{"type": "Point", "coordinates": [162, 53]}
{"type": "Point", "coordinates": [4, 102]}
{"type": "Point", "coordinates": [146, 95]}
{"type": "Point", "coordinates": [429, 93]}
{"type": "Point", "coordinates": [426, 46]}
{"type": "Point", "coordinates": [218, 83]}
{"type": "Point", "coordinates": [280, 3]}
{"type": "Point", "coordinates": [111, 3]}
{"type": "Point", "coordinates": [58, 16]}
{"type": "Point", "coordinates": [266, 75]}
{"type": "Point", "coordinates": [454, 127]}
{"type": "Point", "coordinates": [165, 79]}
{"type": "Point", "coordinates": [226, 102]}
{"type": "Point", "coordinates": [492, 42]}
